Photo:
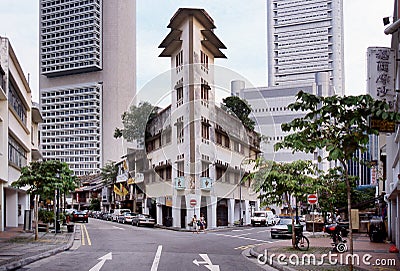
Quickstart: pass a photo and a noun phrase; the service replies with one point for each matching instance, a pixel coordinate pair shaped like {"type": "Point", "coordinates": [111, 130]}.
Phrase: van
{"type": "Point", "coordinates": [263, 218]}
{"type": "Point", "coordinates": [118, 212]}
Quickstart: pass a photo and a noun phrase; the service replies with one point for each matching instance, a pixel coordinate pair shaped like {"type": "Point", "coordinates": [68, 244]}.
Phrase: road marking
{"type": "Point", "coordinates": [82, 236]}
{"type": "Point", "coordinates": [241, 237]}
{"type": "Point", "coordinates": [207, 263]}
{"type": "Point", "coordinates": [115, 227]}
{"type": "Point", "coordinates": [156, 260]}
{"type": "Point", "coordinates": [83, 231]}
{"type": "Point", "coordinates": [100, 264]}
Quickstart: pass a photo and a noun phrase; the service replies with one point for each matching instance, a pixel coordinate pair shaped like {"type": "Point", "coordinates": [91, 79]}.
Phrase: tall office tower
{"type": "Point", "coordinates": [305, 37]}
{"type": "Point", "coordinates": [87, 65]}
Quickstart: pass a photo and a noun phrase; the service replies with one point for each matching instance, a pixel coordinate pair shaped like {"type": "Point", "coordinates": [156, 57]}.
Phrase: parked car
{"type": "Point", "coordinates": [263, 218]}
{"type": "Point", "coordinates": [81, 216]}
{"type": "Point", "coordinates": [142, 219]}
{"type": "Point", "coordinates": [282, 228]}
{"type": "Point", "coordinates": [126, 217]}
{"type": "Point", "coordinates": [118, 212]}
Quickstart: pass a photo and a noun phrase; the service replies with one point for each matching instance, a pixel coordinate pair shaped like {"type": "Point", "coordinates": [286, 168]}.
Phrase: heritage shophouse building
{"type": "Point", "coordinates": [19, 135]}
{"type": "Point", "coordinates": [195, 149]}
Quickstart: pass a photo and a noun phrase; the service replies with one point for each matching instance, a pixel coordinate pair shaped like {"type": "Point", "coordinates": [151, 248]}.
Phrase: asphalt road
{"type": "Point", "coordinates": [103, 245]}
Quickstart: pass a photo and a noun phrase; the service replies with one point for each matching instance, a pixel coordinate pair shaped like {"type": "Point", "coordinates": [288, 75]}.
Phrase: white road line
{"type": "Point", "coordinates": [156, 261]}
{"type": "Point", "coordinates": [241, 237]}
{"type": "Point", "coordinates": [115, 227]}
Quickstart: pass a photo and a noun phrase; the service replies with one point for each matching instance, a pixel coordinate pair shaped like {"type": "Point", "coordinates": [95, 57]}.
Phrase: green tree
{"type": "Point", "coordinates": [279, 182]}
{"type": "Point", "coordinates": [109, 175]}
{"type": "Point", "coordinates": [42, 178]}
{"type": "Point", "coordinates": [94, 204]}
{"type": "Point", "coordinates": [338, 125]}
{"type": "Point", "coordinates": [240, 108]}
{"type": "Point", "coordinates": [135, 121]}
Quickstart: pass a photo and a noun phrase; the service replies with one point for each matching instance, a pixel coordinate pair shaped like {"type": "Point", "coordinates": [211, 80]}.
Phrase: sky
{"type": "Point", "coordinates": [242, 28]}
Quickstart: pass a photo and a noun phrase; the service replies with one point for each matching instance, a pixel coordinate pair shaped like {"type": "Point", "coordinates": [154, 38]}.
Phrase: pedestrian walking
{"type": "Point", "coordinates": [195, 223]}
{"type": "Point", "coordinates": [202, 223]}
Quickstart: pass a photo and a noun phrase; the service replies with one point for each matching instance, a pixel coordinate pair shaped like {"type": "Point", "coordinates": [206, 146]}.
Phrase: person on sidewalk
{"type": "Point", "coordinates": [202, 223]}
{"type": "Point", "coordinates": [195, 224]}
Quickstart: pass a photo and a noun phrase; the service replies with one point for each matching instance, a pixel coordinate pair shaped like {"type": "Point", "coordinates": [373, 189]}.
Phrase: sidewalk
{"type": "Point", "coordinates": [19, 248]}
{"type": "Point", "coordinates": [320, 248]}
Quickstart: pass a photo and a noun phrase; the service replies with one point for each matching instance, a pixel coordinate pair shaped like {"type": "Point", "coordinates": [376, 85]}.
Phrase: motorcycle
{"type": "Point", "coordinates": [336, 233]}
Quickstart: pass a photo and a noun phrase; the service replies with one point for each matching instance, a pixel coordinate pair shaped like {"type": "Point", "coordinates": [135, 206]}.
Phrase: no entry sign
{"type": "Point", "coordinates": [193, 202]}
{"type": "Point", "coordinates": [312, 199]}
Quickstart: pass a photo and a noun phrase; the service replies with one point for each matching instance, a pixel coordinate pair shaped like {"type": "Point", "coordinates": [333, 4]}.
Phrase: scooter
{"type": "Point", "coordinates": [337, 232]}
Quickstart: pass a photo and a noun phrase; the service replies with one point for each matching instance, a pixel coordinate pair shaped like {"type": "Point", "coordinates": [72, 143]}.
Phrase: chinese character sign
{"type": "Point", "coordinates": [381, 74]}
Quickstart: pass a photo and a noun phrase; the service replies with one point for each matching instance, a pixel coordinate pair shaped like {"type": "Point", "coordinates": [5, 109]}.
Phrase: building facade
{"type": "Point", "coordinates": [392, 148]}
{"type": "Point", "coordinates": [269, 105]}
{"type": "Point", "coordinates": [196, 152]}
{"type": "Point", "coordinates": [305, 37]}
{"type": "Point", "coordinates": [19, 135]}
{"type": "Point", "coordinates": [87, 65]}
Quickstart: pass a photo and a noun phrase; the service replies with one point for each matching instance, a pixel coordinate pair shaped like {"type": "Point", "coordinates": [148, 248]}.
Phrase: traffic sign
{"type": "Point", "coordinates": [312, 199]}
{"type": "Point", "coordinates": [193, 202]}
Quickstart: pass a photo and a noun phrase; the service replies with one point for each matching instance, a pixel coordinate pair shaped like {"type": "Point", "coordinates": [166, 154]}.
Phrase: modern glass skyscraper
{"type": "Point", "coordinates": [305, 37]}
{"type": "Point", "coordinates": [87, 65]}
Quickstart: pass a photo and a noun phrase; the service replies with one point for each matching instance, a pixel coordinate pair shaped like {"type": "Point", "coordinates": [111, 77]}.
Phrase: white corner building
{"type": "Point", "coordinates": [197, 150]}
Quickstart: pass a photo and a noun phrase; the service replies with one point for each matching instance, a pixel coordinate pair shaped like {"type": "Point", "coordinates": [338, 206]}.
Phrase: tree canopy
{"type": "Point", "coordinates": [41, 178]}
{"type": "Point", "coordinates": [240, 108]}
{"type": "Point", "coordinates": [338, 125]}
{"type": "Point", "coordinates": [135, 120]}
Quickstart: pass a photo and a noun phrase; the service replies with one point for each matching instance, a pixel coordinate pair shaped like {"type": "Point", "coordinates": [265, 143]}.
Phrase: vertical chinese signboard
{"type": "Point", "coordinates": [381, 78]}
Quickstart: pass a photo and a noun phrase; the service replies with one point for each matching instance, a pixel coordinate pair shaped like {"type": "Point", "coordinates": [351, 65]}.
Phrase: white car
{"type": "Point", "coordinates": [263, 218]}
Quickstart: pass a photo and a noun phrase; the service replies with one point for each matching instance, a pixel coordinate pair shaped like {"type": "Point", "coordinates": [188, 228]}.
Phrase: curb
{"type": "Point", "coordinates": [20, 263]}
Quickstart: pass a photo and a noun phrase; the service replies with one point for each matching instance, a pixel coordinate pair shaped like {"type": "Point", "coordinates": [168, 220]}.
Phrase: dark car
{"type": "Point", "coordinates": [282, 229]}
{"type": "Point", "coordinates": [81, 216]}
{"type": "Point", "coordinates": [143, 220]}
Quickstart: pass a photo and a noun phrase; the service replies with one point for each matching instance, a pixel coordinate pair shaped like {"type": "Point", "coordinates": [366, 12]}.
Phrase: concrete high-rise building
{"type": "Point", "coordinates": [305, 37]}
{"type": "Point", "coordinates": [87, 79]}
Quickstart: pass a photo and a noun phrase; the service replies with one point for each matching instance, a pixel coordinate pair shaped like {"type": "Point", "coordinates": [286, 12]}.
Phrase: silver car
{"type": "Point", "coordinates": [143, 220]}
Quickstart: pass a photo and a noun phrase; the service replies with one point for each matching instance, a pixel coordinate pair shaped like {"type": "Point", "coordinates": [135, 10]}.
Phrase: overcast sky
{"type": "Point", "coordinates": [240, 27]}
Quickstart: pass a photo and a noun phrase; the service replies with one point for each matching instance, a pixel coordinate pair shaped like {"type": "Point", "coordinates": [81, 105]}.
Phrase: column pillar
{"type": "Point", "coordinates": [231, 211]}
{"type": "Point", "coordinates": [176, 211]}
{"type": "Point", "coordinates": [159, 203]}
{"type": "Point", "coordinates": [211, 212]}
{"type": "Point", "coordinates": [246, 212]}
{"type": "Point", "coordinates": [12, 208]}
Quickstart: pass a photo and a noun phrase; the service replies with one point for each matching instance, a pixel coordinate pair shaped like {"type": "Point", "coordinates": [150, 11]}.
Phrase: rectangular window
{"type": "Point", "coordinates": [179, 96]}
{"type": "Point", "coordinates": [16, 102]}
{"type": "Point", "coordinates": [180, 169]}
{"type": "Point", "coordinates": [204, 61]}
{"type": "Point", "coordinates": [205, 169]}
{"type": "Point", "coordinates": [180, 129]}
{"type": "Point", "coordinates": [205, 88]}
{"type": "Point", "coordinates": [179, 61]}
{"type": "Point", "coordinates": [205, 131]}
{"type": "Point", "coordinates": [218, 138]}
{"type": "Point", "coordinates": [168, 173]}
{"type": "Point", "coordinates": [16, 153]}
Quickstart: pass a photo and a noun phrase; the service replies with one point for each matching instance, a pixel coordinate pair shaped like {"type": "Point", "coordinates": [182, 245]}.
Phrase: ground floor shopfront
{"type": "Point", "coordinates": [13, 203]}
{"type": "Point", "coordinates": [178, 211]}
